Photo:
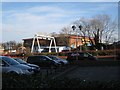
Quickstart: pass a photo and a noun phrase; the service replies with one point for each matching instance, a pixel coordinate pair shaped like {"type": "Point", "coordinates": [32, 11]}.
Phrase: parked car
{"type": "Point", "coordinates": [43, 61]}
{"type": "Point", "coordinates": [9, 65]}
{"type": "Point", "coordinates": [62, 61]}
{"type": "Point", "coordinates": [80, 56]}
{"type": "Point", "coordinates": [35, 68]}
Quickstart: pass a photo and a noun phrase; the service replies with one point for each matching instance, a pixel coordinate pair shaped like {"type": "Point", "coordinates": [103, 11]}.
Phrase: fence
{"type": "Point", "coordinates": [97, 53]}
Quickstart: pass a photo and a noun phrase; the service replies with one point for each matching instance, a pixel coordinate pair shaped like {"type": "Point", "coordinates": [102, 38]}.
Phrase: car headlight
{"type": "Point", "coordinates": [33, 68]}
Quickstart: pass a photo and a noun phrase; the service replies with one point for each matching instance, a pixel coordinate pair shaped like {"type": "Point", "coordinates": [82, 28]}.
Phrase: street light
{"type": "Point", "coordinates": [80, 28]}
{"type": "Point", "coordinates": [74, 27]}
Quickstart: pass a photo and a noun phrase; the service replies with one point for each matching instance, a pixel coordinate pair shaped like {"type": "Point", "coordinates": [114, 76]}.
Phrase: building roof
{"type": "Point", "coordinates": [29, 38]}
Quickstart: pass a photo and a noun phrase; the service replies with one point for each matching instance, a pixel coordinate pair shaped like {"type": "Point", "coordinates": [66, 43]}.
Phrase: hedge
{"type": "Point", "coordinates": [37, 81]}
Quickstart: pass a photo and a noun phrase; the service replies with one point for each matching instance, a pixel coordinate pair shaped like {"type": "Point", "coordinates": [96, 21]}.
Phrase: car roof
{"type": "Point", "coordinates": [36, 55]}
{"type": "Point", "coordinates": [76, 52]}
{"type": "Point", "coordinates": [3, 56]}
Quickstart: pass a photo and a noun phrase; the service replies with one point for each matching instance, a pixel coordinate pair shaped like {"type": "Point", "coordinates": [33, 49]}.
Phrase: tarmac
{"type": "Point", "coordinates": [101, 73]}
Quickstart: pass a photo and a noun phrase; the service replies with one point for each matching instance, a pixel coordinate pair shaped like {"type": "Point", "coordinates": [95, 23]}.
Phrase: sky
{"type": "Point", "coordinates": [24, 19]}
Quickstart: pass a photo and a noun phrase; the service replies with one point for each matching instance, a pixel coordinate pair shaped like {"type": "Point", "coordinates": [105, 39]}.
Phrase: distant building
{"type": "Point", "coordinates": [66, 42]}
{"type": "Point", "coordinates": [1, 49]}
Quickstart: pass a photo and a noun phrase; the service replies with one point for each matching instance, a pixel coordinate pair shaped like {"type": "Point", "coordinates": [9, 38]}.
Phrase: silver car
{"type": "Point", "coordinates": [35, 68]}
{"type": "Point", "coordinates": [9, 65]}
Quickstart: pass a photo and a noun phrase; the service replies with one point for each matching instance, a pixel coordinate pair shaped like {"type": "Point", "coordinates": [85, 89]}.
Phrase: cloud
{"type": "Point", "coordinates": [30, 20]}
{"type": "Point", "coordinates": [43, 9]}
{"type": "Point", "coordinates": [26, 24]}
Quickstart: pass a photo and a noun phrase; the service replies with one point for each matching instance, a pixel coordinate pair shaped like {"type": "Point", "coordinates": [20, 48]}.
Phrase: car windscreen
{"type": "Point", "coordinates": [53, 57]}
{"type": "Point", "coordinates": [20, 61]}
{"type": "Point", "coordinates": [10, 61]}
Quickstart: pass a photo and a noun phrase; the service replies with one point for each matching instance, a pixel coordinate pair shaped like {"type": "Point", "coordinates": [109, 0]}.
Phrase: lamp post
{"type": "Point", "coordinates": [80, 28]}
{"type": "Point", "coordinates": [74, 27]}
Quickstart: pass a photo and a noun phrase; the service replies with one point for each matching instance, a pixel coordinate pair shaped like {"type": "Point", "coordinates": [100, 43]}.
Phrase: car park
{"type": "Point", "coordinates": [9, 65]}
{"type": "Point", "coordinates": [80, 56]}
{"type": "Point", "coordinates": [43, 61]}
{"type": "Point", "coordinates": [35, 68]}
{"type": "Point", "coordinates": [62, 61]}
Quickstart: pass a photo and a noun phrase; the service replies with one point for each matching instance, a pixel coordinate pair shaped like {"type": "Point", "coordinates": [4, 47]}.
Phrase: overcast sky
{"type": "Point", "coordinates": [24, 19]}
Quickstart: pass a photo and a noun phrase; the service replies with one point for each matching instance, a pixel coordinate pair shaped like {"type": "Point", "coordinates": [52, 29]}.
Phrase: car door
{"type": "Point", "coordinates": [45, 61]}
{"type": "Point", "coordinates": [38, 61]}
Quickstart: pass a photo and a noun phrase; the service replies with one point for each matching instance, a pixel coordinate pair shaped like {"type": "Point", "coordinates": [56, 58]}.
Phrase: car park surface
{"type": "Point", "coordinates": [101, 73]}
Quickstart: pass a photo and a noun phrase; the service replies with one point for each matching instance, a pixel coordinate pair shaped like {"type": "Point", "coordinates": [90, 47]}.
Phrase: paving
{"type": "Point", "coordinates": [102, 71]}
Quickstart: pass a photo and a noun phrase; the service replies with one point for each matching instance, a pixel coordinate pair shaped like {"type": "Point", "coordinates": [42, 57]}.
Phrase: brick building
{"type": "Point", "coordinates": [71, 41]}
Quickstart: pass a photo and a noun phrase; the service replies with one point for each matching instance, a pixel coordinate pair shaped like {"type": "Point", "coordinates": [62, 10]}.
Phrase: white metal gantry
{"type": "Point", "coordinates": [36, 36]}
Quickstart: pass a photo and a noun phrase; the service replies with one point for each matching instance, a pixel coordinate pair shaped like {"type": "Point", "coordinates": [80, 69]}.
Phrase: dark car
{"type": "Point", "coordinates": [43, 61]}
{"type": "Point", "coordinates": [80, 56]}
{"type": "Point", "coordinates": [36, 68]}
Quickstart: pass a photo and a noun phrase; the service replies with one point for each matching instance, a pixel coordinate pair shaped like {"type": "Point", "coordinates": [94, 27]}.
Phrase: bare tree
{"type": "Point", "coordinates": [85, 30]}
{"type": "Point", "coordinates": [64, 35]}
{"type": "Point", "coordinates": [104, 28]}
{"type": "Point", "coordinates": [100, 27]}
{"type": "Point", "coordinates": [11, 45]}
{"type": "Point", "coordinates": [53, 34]}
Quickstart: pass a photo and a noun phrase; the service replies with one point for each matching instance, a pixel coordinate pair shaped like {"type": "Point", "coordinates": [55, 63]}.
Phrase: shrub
{"type": "Point", "coordinates": [38, 81]}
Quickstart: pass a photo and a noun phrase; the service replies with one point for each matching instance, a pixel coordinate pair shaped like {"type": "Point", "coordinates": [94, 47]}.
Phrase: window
{"type": "Point", "coordinates": [4, 64]}
{"type": "Point", "coordinates": [86, 55]}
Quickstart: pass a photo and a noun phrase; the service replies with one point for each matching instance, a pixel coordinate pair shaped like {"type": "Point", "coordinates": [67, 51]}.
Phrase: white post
{"type": "Point", "coordinates": [50, 45]}
{"type": "Point", "coordinates": [55, 45]}
{"type": "Point", "coordinates": [33, 43]}
{"type": "Point", "coordinates": [38, 44]}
